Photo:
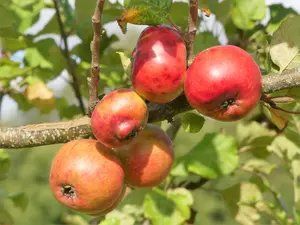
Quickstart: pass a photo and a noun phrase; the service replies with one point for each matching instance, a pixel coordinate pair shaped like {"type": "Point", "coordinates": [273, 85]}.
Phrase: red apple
{"type": "Point", "coordinates": [148, 159]}
{"type": "Point", "coordinates": [86, 176]}
{"type": "Point", "coordinates": [223, 82]}
{"type": "Point", "coordinates": [118, 117]}
{"type": "Point", "coordinates": [159, 64]}
{"type": "Point", "coordinates": [113, 206]}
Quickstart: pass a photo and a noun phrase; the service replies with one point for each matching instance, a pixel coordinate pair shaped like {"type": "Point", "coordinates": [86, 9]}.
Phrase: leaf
{"type": "Point", "coordinates": [34, 58]}
{"type": "Point", "coordinates": [238, 197]}
{"type": "Point", "coordinates": [179, 13]}
{"type": "Point", "coordinates": [192, 122]}
{"type": "Point", "coordinates": [215, 155]}
{"type": "Point", "coordinates": [66, 111]}
{"type": "Point", "coordinates": [12, 71]}
{"type": "Point", "coordinates": [5, 217]}
{"type": "Point", "coordinates": [7, 17]}
{"type": "Point", "coordinates": [13, 44]}
{"type": "Point", "coordinates": [284, 148]}
{"type": "Point", "coordinates": [146, 12]}
{"type": "Point", "coordinates": [285, 44]}
{"type": "Point", "coordinates": [111, 221]}
{"type": "Point", "coordinates": [40, 96]}
{"type": "Point", "coordinates": [279, 118]}
{"type": "Point", "coordinates": [245, 13]}
{"type": "Point", "coordinates": [278, 14]}
{"type": "Point", "coordinates": [4, 164]}
{"type": "Point", "coordinates": [296, 174]}
{"type": "Point", "coordinates": [20, 200]}
{"type": "Point", "coordinates": [259, 165]}
{"type": "Point", "coordinates": [126, 63]}
{"type": "Point", "coordinates": [254, 137]}
{"type": "Point", "coordinates": [205, 40]}
{"type": "Point", "coordinates": [222, 11]}
{"type": "Point", "coordinates": [171, 208]}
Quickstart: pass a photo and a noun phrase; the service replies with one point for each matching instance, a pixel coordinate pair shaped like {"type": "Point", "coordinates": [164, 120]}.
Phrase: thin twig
{"type": "Point", "coordinates": [93, 80]}
{"type": "Point", "coordinates": [192, 28]}
{"type": "Point", "coordinates": [70, 62]}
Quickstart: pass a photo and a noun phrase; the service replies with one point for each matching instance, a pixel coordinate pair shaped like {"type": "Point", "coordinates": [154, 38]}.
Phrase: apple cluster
{"type": "Point", "coordinates": [91, 175]}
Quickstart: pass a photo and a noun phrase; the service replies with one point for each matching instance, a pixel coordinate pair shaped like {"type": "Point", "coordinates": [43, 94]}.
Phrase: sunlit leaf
{"type": "Point", "coordinates": [279, 118]}
{"type": "Point", "coordinates": [246, 13]}
{"type": "Point", "coordinates": [215, 155]}
{"type": "Point", "coordinates": [284, 148]}
{"type": "Point", "coordinates": [146, 12]}
{"type": "Point", "coordinates": [259, 165]}
{"type": "Point", "coordinates": [40, 96]}
{"type": "Point", "coordinates": [278, 14]}
{"type": "Point", "coordinates": [171, 208]}
{"type": "Point", "coordinates": [285, 44]}
{"type": "Point", "coordinates": [253, 137]}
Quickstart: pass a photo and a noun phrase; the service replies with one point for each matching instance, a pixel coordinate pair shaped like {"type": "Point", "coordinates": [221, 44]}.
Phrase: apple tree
{"type": "Point", "coordinates": [188, 114]}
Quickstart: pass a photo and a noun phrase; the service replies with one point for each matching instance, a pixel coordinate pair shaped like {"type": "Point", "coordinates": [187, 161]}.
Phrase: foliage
{"type": "Point", "coordinates": [253, 164]}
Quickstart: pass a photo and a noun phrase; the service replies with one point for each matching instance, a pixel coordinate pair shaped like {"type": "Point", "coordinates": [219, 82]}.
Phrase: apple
{"type": "Point", "coordinates": [118, 117]}
{"type": "Point", "coordinates": [223, 82]}
{"type": "Point", "coordinates": [159, 64]}
{"type": "Point", "coordinates": [148, 159]}
{"type": "Point", "coordinates": [86, 176]}
{"type": "Point", "coordinates": [113, 206]}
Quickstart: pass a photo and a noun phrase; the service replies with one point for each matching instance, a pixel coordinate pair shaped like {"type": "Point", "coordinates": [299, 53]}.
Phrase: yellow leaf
{"type": "Point", "coordinates": [279, 118]}
{"type": "Point", "coordinates": [39, 95]}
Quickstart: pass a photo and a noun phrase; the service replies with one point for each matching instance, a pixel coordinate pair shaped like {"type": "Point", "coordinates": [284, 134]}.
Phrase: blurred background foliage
{"type": "Point", "coordinates": [257, 186]}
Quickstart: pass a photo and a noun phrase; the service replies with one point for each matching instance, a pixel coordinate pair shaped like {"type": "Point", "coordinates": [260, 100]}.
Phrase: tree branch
{"type": "Point", "coordinates": [192, 29]}
{"type": "Point", "coordinates": [62, 132]}
{"type": "Point", "coordinates": [93, 80]}
{"type": "Point", "coordinates": [70, 61]}
{"type": "Point", "coordinates": [45, 133]}
{"type": "Point", "coordinates": [277, 82]}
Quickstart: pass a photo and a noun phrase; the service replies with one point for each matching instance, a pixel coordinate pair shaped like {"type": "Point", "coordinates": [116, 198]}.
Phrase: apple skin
{"type": "Point", "coordinates": [113, 206]}
{"type": "Point", "coordinates": [159, 64]}
{"type": "Point", "coordinates": [118, 117]}
{"type": "Point", "coordinates": [86, 176]}
{"type": "Point", "coordinates": [224, 83]}
{"type": "Point", "coordinates": [148, 159]}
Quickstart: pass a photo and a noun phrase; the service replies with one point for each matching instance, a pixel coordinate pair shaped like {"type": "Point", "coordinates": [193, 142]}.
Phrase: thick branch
{"type": "Point", "coordinates": [276, 82]}
{"type": "Point", "coordinates": [192, 29]}
{"type": "Point", "coordinates": [70, 62]}
{"type": "Point", "coordinates": [93, 80]}
{"type": "Point", "coordinates": [52, 133]}
{"type": "Point", "coordinates": [45, 133]}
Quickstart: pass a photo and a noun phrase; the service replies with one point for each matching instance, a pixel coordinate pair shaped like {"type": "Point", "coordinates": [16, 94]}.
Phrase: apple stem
{"type": "Point", "coordinates": [273, 105]}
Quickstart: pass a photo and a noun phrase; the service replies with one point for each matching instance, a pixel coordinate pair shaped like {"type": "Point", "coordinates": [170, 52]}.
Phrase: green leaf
{"type": "Point", "coordinates": [111, 221]}
{"type": "Point", "coordinates": [222, 11]}
{"type": "Point", "coordinates": [296, 174]}
{"type": "Point", "coordinates": [284, 148]}
{"type": "Point", "coordinates": [259, 165]}
{"type": "Point", "coordinates": [278, 14]}
{"type": "Point", "coordinates": [66, 111]}
{"type": "Point", "coordinates": [19, 199]}
{"type": "Point", "coordinates": [5, 217]}
{"type": "Point", "coordinates": [192, 122]}
{"type": "Point", "coordinates": [215, 155]}
{"type": "Point", "coordinates": [231, 197]}
{"type": "Point", "coordinates": [10, 72]}
{"type": "Point", "coordinates": [171, 208]}
{"type": "Point", "coordinates": [205, 40]}
{"type": "Point", "coordinates": [13, 44]}
{"type": "Point", "coordinates": [285, 44]}
{"type": "Point", "coordinates": [179, 170]}
{"type": "Point", "coordinates": [146, 12]}
{"type": "Point", "coordinates": [254, 137]}
{"type": "Point", "coordinates": [179, 13]}
{"type": "Point", "coordinates": [7, 17]}
{"type": "Point", "coordinates": [34, 58]}
{"type": "Point", "coordinates": [126, 63]}
{"type": "Point", "coordinates": [246, 13]}
{"type": "Point", "coordinates": [4, 164]}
